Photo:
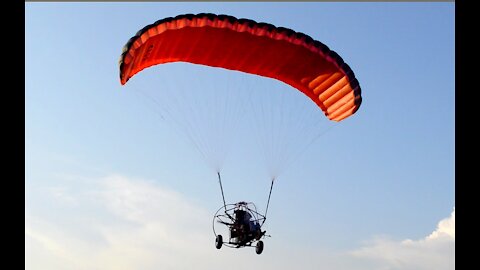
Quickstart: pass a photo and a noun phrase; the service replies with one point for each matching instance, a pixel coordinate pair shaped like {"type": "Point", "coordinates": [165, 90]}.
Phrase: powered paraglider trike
{"type": "Point", "coordinates": [244, 226]}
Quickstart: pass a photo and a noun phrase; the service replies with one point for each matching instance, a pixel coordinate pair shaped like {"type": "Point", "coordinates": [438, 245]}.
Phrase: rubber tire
{"type": "Point", "coordinates": [218, 241]}
{"type": "Point", "coordinates": [259, 247]}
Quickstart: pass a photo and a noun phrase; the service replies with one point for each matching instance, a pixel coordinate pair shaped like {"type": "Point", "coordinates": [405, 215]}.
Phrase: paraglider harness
{"type": "Point", "coordinates": [244, 223]}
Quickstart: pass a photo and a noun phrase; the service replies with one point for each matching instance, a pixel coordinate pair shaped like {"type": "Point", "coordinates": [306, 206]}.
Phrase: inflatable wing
{"type": "Point", "coordinates": [245, 45]}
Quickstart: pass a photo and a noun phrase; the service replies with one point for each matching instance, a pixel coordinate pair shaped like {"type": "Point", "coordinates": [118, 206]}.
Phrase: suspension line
{"type": "Point", "coordinates": [221, 189]}
{"type": "Point", "coordinates": [268, 201]}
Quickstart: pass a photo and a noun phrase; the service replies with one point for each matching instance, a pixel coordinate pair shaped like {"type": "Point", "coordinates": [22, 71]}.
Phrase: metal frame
{"type": "Point", "coordinates": [227, 219]}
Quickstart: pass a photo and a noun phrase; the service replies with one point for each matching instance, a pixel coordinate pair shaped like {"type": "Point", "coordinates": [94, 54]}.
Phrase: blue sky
{"type": "Point", "coordinates": [111, 185]}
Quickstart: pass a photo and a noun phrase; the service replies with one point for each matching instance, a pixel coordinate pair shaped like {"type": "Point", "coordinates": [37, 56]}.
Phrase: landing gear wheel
{"type": "Point", "coordinates": [218, 241]}
{"type": "Point", "coordinates": [259, 247]}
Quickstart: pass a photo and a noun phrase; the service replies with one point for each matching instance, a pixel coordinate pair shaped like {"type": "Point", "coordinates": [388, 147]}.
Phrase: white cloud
{"type": "Point", "coordinates": [122, 223]}
{"type": "Point", "coordinates": [435, 251]}
{"type": "Point", "coordinates": [445, 228]}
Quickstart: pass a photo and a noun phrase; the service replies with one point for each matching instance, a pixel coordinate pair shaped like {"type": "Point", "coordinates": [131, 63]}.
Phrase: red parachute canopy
{"type": "Point", "coordinates": [245, 45]}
